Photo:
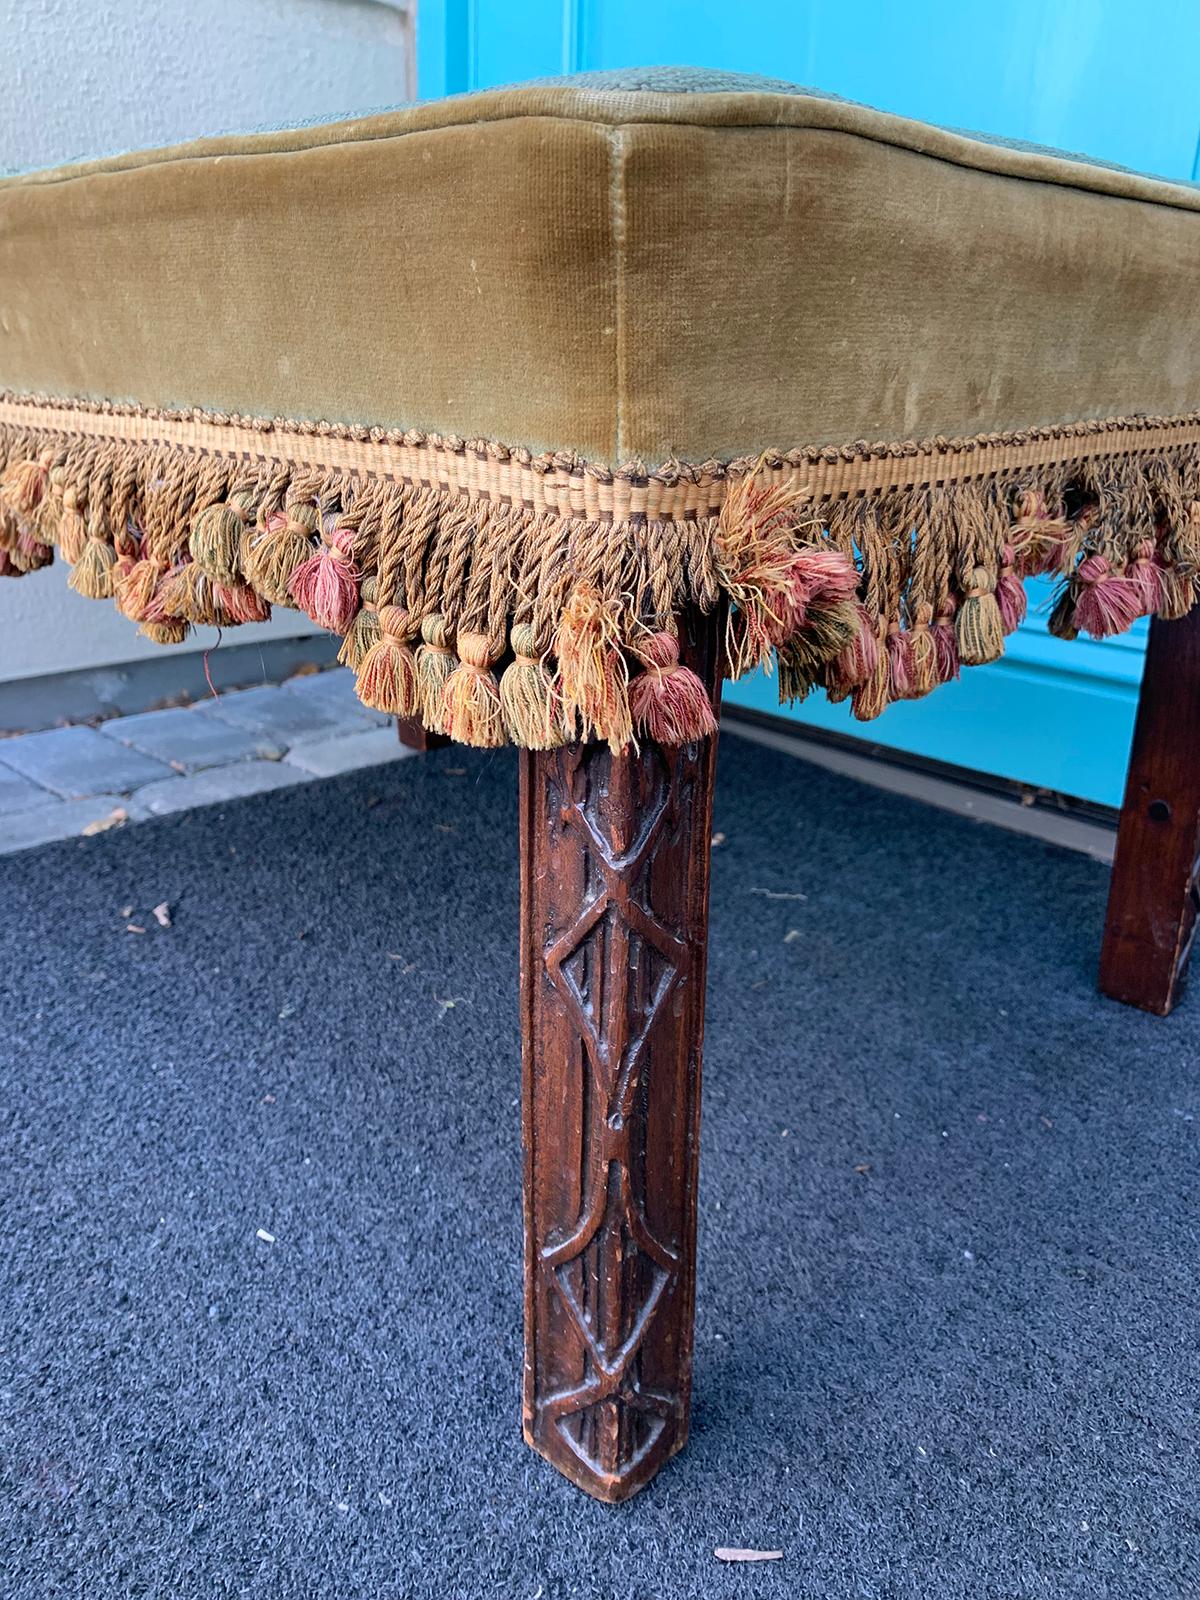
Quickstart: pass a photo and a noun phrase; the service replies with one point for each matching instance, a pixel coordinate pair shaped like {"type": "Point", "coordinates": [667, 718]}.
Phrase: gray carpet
{"type": "Point", "coordinates": [947, 1335]}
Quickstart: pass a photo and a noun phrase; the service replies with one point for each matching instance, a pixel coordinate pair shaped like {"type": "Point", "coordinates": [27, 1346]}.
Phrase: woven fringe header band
{"type": "Point", "coordinates": [503, 596]}
{"type": "Point", "coordinates": [565, 483]}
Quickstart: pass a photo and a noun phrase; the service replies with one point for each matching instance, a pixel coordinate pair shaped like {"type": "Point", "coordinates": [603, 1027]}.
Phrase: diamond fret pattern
{"type": "Point", "coordinates": [614, 914]}
{"type": "Point", "coordinates": [615, 967]}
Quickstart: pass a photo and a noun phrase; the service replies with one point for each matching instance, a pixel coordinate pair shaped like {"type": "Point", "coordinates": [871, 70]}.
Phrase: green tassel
{"type": "Point", "coordinates": [216, 541]}
{"type": "Point", "coordinates": [435, 662]}
{"type": "Point", "coordinates": [363, 631]}
{"type": "Point", "coordinates": [979, 627]}
{"type": "Point", "coordinates": [92, 575]}
{"type": "Point", "coordinates": [531, 705]}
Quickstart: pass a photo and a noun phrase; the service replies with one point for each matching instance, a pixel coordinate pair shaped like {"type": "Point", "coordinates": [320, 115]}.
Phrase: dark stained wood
{"type": "Point", "coordinates": [417, 736]}
{"type": "Point", "coordinates": [1154, 897]}
{"type": "Point", "coordinates": [614, 927]}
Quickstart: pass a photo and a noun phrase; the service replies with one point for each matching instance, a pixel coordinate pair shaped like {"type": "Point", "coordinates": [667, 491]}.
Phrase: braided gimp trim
{"type": "Point", "coordinates": [508, 597]}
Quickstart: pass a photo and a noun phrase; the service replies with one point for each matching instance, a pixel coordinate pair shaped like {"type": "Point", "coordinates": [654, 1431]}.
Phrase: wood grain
{"type": "Point", "coordinates": [1153, 900]}
{"type": "Point", "coordinates": [414, 735]}
{"type": "Point", "coordinates": [615, 870]}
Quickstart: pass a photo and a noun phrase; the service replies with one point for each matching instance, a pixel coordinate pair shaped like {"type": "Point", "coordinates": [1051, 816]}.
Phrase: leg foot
{"type": "Point", "coordinates": [615, 853]}
{"type": "Point", "coordinates": [1154, 897]}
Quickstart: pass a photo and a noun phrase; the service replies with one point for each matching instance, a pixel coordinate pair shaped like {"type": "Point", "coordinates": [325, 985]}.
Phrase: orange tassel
{"type": "Point", "coordinates": [761, 566]}
{"type": "Point", "coordinates": [174, 630]}
{"type": "Point", "coordinates": [24, 484]}
{"type": "Point", "coordinates": [189, 593]}
{"type": "Point", "coordinates": [387, 677]}
{"type": "Point", "coordinates": [592, 669]}
{"type": "Point", "coordinates": [29, 553]}
{"type": "Point", "coordinates": [474, 714]}
{"type": "Point", "coordinates": [133, 588]}
{"type": "Point", "coordinates": [72, 529]}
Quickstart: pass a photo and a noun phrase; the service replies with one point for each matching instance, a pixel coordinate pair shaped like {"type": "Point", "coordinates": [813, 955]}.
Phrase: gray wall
{"type": "Point", "coordinates": [84, 79]}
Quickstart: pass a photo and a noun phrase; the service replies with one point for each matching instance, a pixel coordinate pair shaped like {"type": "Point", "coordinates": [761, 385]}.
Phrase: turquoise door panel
{"type": "Point", "coordinates": [1105, 77]}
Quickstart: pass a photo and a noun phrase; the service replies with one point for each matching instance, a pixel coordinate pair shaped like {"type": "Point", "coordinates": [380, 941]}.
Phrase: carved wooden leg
{"type": "Point", "coordinates": [1154, 897]}
{"type": "Point", "coordinates": [614, 921]}
{"type": "Point", "coordinates": [417, 736]}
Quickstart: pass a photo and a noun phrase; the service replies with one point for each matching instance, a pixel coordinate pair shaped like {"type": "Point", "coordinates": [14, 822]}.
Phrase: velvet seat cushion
{"type": "Point", "coordinates": [588, 353]}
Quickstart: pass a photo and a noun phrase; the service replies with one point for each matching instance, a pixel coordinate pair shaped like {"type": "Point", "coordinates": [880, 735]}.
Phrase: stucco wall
{"type": "Point", "coordinates": [83, 79]}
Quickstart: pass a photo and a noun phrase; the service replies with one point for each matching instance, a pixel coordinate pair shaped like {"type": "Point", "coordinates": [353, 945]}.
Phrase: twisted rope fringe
{"type": "Point", "coordinates": [506, 598]}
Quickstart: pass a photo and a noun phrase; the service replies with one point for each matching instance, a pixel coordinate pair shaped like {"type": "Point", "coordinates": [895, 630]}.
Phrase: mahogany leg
{"type": "Point", "coordinates": [417, 736]}
{"type": "Point", "coordinates": [1154, 896]}
{"type": "Point", "coordinates": [614, 924]}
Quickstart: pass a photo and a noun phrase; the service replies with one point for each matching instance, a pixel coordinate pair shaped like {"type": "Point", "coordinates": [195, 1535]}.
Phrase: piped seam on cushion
{"type": "Point", "coordinates": [961, 150]}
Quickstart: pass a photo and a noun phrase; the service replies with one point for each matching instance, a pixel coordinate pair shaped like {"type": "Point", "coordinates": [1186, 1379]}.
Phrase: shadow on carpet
{"type": "Point", "coordinates": [947, 1329]}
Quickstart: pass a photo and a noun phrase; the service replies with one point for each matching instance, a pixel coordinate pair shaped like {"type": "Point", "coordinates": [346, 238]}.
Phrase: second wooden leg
{"type": "Point", "coordinates": [416, 736]}
{"type": "Point", "coordinates": [1153, 900]}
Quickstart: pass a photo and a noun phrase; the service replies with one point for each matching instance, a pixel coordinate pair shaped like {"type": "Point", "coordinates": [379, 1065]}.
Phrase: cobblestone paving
{"type": "Point", "coordinates": [70, 781]}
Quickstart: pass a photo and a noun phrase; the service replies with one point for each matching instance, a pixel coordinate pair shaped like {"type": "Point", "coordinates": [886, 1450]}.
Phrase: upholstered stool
{"type": "Point", "coordinates": [558, 403]}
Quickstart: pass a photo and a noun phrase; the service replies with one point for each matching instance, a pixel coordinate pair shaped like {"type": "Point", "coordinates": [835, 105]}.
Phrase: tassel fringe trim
{"type": "Point", "coordinates": [504, 597]}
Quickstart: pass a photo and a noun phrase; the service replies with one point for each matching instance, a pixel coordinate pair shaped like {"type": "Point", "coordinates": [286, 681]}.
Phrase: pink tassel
{"type": "Point", "coordinates": [1106, 601]}
{"type": "Point", "coordinates": [1010, 593]}
{"type": "Point", "coordinates": [828, 575]}
{"type": "Point", "coordinates": [900, 664]}
{"type": "Point", "coordinates": [29, 552]}
{"type": "Point", "coordinates": [857, 662]}
{"type": "Point", "coordinates": [788, 605]}
{"type": "Point", "coordinates": [815, 575]}
{"type": "Point", "coordinates": [1146, 576]}
{"type": "Point", "coordinates": [667, 700]}
{"type": "Point", "coordinates": [241, 603]}
{"type": "Point", "coordinates": [326, 585]}
{"type": "Point", "coordinates": [945, 644]}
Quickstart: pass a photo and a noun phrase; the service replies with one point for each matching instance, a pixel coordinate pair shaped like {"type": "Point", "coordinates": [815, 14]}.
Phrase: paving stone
{"type": "Point", "coordinates": [59, 819]}
{"type": "Point", "coordinates": [17, 793]}
{"type": "Point", "coordinates": [323, 758]}
{"type": "Point", "coordinates": [283, 715]}
{"type": "Point", "coordinates": [334, 690]}
{"type": "Point", "coordinates": [74, 762]}
{"type": "Point", "coordinates": [185, 740]}
{"type": "Point", "coordinates": [215, 785]}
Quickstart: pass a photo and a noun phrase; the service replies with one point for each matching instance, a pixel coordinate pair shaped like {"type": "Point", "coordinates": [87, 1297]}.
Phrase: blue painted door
{"type": "Point", "coordinates": [1106, 77]}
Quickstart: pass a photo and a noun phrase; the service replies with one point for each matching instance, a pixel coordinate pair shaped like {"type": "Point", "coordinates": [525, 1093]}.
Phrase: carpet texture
{"type": "Point", "coordinates": [947, 1332]}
